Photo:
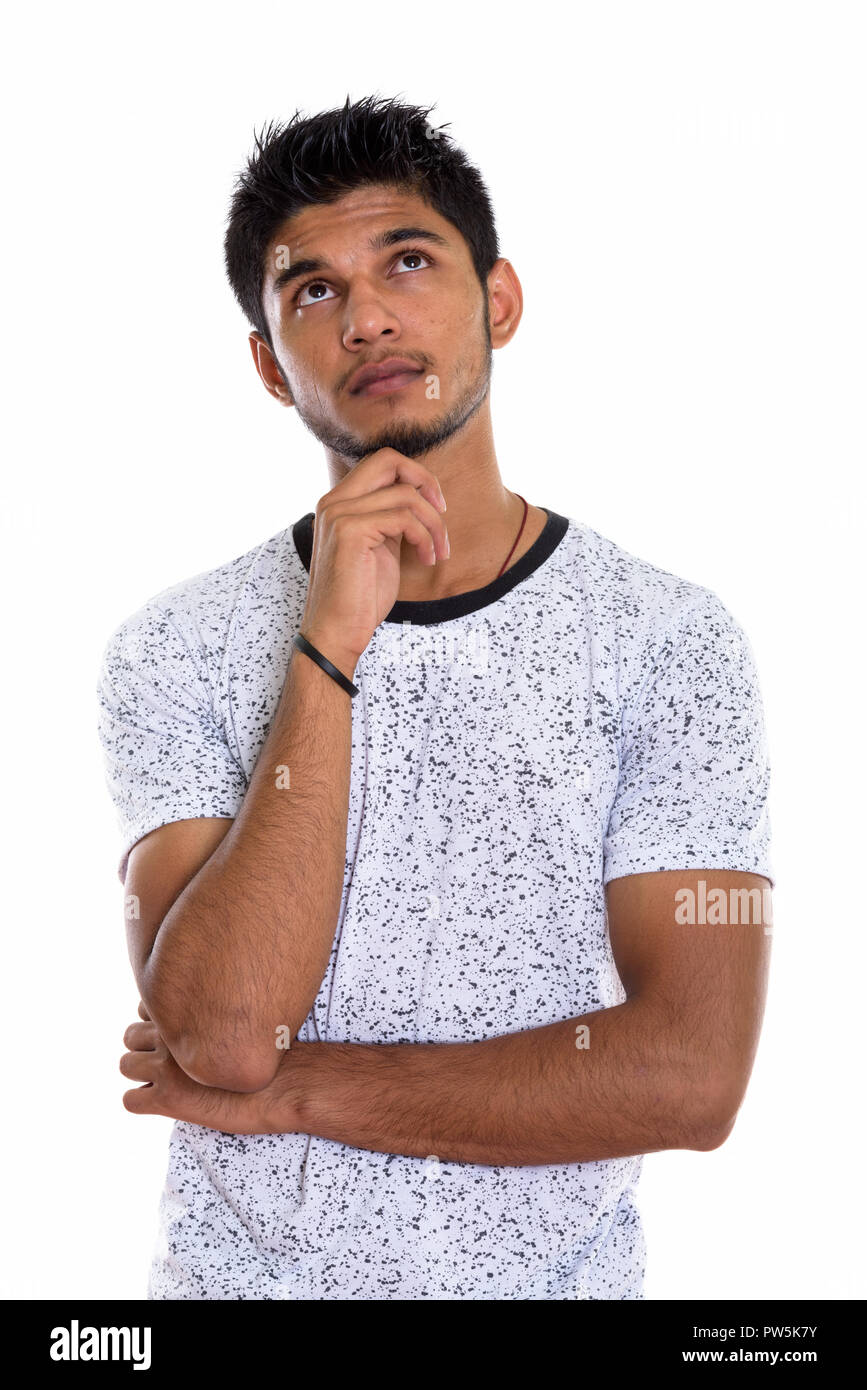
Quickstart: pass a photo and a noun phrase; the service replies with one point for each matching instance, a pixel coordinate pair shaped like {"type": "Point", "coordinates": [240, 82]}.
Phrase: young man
{"type": "Point", "coordinates": [411, 901]}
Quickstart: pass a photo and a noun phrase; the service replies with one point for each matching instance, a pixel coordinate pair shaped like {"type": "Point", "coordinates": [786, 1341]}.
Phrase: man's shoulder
{"type": "Point", "coordinates": [199, 611]}
{"type": "Point", "coordinates": [635, 595]}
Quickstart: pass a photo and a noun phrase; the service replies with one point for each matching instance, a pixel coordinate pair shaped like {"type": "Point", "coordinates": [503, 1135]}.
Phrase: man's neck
{"type": "Point", "coordinates": [482, 530]}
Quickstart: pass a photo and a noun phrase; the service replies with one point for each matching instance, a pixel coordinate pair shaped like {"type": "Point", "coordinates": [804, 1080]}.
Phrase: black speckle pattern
{"type": "Point", "coordinates": [593, 717]}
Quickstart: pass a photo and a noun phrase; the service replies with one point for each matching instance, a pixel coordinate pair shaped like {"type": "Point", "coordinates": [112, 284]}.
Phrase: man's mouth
{"type": "Point", "coordinates": [384, 379]}
{"type": "Point", "coordinates": [385, 384]}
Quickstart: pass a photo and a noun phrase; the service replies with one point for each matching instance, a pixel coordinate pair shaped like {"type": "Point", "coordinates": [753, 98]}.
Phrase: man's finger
{"type": "Point", "coordinates": [142, 1011]}
{"type": "Point", "coordinates": [138, 1066]}
{"type": "Point", "coordinates": [139, 1101]}
{"type": "Point", "coordinates": [141, 1037]}
{"type": "Point", "coordinates": [384, 467]}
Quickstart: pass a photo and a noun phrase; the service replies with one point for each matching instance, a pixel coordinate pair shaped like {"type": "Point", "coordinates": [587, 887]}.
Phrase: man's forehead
{"type": "Point", "coordinates": [360, 211]}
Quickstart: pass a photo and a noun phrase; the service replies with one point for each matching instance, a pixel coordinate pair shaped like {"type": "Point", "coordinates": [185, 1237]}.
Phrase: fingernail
{"type": "Point", "coordinates": [448, 547]}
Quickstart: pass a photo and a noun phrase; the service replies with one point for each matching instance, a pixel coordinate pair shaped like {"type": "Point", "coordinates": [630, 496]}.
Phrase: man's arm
{"type": "Point", "coordinates": [666, 1069]}
{"type": "Point", "coordinates": [236, 918]}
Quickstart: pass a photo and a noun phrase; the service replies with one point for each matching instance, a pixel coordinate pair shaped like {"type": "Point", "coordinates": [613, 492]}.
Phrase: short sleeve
{"type": "Point", "coordinates": [166, 757]}
{"type": "Point", "coordinates": [694, 768]}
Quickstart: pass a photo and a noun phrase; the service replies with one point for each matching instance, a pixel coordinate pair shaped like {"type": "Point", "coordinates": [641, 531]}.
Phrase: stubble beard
{"type": "Point", "coordinates": [407, 437]}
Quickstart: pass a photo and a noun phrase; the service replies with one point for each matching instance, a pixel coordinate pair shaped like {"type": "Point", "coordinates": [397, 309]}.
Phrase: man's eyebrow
{"type": "Point", "coordinates": [393, 237]}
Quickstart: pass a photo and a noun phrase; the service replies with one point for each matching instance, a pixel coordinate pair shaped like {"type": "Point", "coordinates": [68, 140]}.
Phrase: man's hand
{"type": "Point", "coordinates": [385, 501]}
{"type": "Point", "coordinates": [169, 1091]}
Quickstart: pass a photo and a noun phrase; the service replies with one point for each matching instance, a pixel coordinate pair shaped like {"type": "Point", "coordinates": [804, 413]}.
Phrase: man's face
{"type": "Point", "coordinates": [391, 279]}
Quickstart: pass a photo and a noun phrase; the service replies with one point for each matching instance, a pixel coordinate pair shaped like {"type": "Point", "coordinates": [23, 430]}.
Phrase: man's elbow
{"type": "Point", "coordinates": [237, 1063]}
{"type": "Point", "coordinates": [714, 1135]}
{"type": "Point", "coordinates": [227, 1069]}
{"type": "Point", "coordinates": [714, 1112]}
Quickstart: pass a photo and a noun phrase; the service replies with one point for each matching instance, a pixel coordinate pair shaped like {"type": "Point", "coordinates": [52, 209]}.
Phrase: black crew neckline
{"type": "Point", "coordinates": [440, 610]}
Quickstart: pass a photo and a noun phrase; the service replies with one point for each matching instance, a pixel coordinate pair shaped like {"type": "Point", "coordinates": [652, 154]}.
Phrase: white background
{"type": "Point", "coordinates": [680, 188]}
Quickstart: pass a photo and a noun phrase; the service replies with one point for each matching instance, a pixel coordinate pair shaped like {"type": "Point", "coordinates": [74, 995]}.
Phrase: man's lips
{"type": "Point", "coordinates": [383, 379]}
{"type": "Point", "coordinates": [386, 384]}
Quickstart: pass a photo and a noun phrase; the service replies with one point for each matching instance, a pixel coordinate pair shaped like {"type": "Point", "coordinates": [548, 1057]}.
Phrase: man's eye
{"type": "Point", "coordinates": [412, 256]}
{"type": "Point", "coordinates": [317, 291]}
{"type": "Point", "coordinates": [314, 289]}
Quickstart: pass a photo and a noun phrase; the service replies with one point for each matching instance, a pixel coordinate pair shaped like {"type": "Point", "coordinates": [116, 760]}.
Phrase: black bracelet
{"type": "Point", "coordinates": [309, 650]}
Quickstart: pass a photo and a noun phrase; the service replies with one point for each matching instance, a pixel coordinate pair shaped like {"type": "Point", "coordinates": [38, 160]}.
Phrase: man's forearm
{"type": "Point", "coordinates": [523, 1098]}
{"type": "Point", "coordinates": [244, 948]}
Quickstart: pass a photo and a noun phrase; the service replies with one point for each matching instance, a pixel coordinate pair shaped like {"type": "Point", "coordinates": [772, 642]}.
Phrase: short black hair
{"type": "Point", "coordinates": [318, 159]}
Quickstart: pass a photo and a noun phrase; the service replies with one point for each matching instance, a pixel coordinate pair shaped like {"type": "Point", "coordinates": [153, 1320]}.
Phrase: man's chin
{"type": "Point", "coordinates": [410, 439]}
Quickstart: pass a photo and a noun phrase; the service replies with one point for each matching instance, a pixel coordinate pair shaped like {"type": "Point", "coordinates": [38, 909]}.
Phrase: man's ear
{"type": "Point", "coordinates": [269, 371]}
{"type": "Point", "coordinates": [505, 302]}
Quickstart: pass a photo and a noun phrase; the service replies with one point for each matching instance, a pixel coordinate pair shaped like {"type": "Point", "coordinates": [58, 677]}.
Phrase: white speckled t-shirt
{"type": "Point", "coordinates": [585, 716]}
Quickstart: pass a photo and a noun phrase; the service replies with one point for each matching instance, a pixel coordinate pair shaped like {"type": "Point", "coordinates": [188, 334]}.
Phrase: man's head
{"type": "Point", "coordinates": [358, 236]}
